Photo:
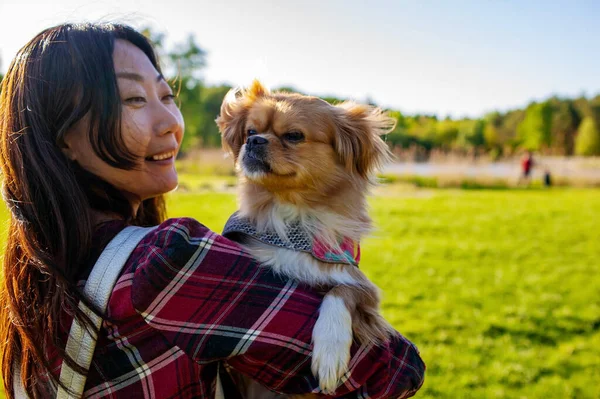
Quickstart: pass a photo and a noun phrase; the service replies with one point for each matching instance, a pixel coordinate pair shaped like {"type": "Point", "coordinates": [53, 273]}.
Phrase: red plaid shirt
{"type": "Point", "coordinates": [189, 298]}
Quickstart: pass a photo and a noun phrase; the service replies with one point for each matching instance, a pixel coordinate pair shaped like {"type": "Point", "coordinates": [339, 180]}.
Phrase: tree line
{"type": "Point", "coordinates": [557, 126]}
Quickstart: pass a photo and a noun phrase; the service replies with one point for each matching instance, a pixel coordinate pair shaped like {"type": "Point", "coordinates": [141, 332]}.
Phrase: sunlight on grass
{"type": "Point", "coordinates": [496, 287]}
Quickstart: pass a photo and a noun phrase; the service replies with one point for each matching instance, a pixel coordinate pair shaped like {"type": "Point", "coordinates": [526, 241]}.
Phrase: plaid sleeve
{"type": "Point", "coordinates": [210, 298]}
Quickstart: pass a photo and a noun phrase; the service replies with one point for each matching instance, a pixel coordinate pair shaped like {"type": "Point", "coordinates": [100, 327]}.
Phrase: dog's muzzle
{"type": "Point", "coordinates": [255, 156]}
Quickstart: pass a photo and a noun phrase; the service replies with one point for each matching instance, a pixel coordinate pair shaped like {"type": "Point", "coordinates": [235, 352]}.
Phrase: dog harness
{"type": "Point", "coordinates": [298, 239]}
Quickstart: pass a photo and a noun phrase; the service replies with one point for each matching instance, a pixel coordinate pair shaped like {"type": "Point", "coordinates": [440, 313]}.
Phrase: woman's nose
{"type": "Point", "coordinates": [168, 120]}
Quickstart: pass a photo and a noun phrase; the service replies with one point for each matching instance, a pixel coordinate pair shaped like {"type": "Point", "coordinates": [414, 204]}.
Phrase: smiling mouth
{"type": "Point", "coordinates": [161, 157]}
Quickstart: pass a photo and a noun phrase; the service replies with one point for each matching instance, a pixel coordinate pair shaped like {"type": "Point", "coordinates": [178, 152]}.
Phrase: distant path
{"type": "Point", "coordinates": [570, 168]}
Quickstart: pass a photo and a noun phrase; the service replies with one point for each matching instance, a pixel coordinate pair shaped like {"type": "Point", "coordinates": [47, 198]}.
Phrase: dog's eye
{"type": "Point", "coordinates": [252, 132]}
{"type": "Point", "coordinates": [294, 137]}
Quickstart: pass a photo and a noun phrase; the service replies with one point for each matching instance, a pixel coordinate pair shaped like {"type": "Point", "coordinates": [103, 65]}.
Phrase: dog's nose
{"type": "Point", "coordinates": [255, 141]}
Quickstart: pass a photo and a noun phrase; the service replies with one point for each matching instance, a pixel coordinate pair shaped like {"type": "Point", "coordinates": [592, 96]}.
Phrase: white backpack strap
{"type": "Point", "coordinates": [17, 383]}
{"type": "Point", "coordinates": [219, 388]}
{"type": "Point", "coordinates": [98, 288]}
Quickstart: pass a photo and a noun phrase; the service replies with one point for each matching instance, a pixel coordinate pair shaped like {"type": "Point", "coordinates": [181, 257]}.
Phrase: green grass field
{"type": "Point", "coordinates": [500, 289]}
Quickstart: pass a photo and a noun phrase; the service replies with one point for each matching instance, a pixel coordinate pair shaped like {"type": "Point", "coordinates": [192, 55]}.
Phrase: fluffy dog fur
{"type": "Point", "coordinates": [300, 159]}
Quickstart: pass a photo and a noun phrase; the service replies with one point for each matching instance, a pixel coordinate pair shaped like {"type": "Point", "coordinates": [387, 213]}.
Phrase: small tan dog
{"type": "Point", "coordinates": [305, 169]}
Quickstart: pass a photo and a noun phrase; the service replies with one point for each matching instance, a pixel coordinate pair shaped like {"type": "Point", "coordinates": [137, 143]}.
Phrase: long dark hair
{"type": "Point", "coordinates": [60, 76]}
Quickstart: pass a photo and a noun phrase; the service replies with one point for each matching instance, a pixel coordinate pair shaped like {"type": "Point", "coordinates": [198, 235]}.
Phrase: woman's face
{"type": "Point", "coordinates": [151, 126]}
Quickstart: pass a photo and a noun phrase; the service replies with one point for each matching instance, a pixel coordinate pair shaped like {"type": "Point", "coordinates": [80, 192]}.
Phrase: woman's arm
{"type": "Point", "coordinates": [209, 298]}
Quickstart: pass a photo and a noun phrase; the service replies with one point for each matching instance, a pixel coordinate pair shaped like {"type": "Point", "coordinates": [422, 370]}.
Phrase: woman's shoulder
{"type": "Point", "coordinates": [186, 234]}
{"type": "Point", "coordinates": [179, 240]}
{"type": "Point", "coordinates": [178, 231]}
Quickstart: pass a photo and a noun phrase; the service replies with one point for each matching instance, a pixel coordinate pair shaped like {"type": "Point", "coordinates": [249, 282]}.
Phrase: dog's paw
{"type": "Point", "coordinates": [332, 338]}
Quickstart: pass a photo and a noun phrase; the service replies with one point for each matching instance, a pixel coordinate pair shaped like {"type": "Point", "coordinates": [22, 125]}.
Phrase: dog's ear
{"type": "Point", "coordinates": [255, 91]}
{"type": "Point", "coordinates": [357, 140]}
{"type": "Point", "coordinates": [231, 122]}
{"type": "Point", "coordinates": [232, 118]}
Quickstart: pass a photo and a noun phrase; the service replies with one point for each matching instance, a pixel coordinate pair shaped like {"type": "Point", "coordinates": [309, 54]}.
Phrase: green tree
{"type": "Point", "coordinates": [582, 106]}
{"type": "Point", "coordinates": [190, 105]}
{"type": "Point", "coordinates": [211, 99]}
{"type": "Point", "coordinates": [188, 59]}
{"type": "Point", "coordinates": [565, 121]}
{"type": "Point", "coordinates": [508, 129]}
{"type": "Point", "coordinates": [332, 99]}
{"type": "Point", "coordinates": [400, 120]}
{"type": "Point", "coordinates": [535, 130]}
{"type": "Point", "coordinates": [422, 126]}
{"type": "Point", "coordinates": [399, 137]}
{"type": "Point", "coordinates": [491, 130]}
{"type": "Point", "coordinates": [470, 133]}
{"type": "Point", "coordinates": [286, 89]}
{"type": "Point", "coordinates": [587, 141]}
{"type": "Point", "coordinates": [446, 133]}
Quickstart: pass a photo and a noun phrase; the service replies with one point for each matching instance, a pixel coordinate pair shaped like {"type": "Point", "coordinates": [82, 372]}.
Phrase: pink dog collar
{"type": "Point", "coordinates": [348, 252]}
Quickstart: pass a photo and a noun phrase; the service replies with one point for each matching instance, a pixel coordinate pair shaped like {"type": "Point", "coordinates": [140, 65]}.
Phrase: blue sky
{"type": "Point", "coordinates": [458, 58]}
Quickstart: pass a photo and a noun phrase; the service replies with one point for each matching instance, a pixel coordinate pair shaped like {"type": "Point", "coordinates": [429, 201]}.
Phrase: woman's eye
{"type": "Point", "coordinates": [294, 137]}
{"type": "Point", "coordinates": [252, 132]}
{"type": "Point", "coordinates": [169, 98]}
{"type": "Point", "coordinates": [134, 100]}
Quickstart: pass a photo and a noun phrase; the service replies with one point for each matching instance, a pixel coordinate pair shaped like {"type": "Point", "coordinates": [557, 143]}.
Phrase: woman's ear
{"type": "Point", "coordinates": [67, 145]}
{"type": "Point", "coordinates": [75, 140]}
{"type": "Point", "coordinates": [358, 142]}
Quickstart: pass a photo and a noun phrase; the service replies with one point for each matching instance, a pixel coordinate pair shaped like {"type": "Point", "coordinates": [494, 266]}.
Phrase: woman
{"type": "Point", "coordinates": [89, 131]}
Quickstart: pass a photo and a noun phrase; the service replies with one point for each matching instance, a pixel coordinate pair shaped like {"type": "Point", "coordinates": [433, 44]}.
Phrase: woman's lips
{"type": "Point", "coordinates": [167, 161]}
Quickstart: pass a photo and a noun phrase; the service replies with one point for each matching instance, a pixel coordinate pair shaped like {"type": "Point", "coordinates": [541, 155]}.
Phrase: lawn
{"type": "Point", "coordinates": [500, 289]}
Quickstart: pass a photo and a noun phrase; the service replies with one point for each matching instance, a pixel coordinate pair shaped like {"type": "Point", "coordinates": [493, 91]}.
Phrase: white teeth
{"type": "Point", "coordinates": [160, 157]}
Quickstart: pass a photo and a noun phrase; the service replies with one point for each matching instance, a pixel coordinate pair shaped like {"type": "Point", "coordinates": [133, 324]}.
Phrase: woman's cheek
{"type": "Point", "coordinates": [136, 137]}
